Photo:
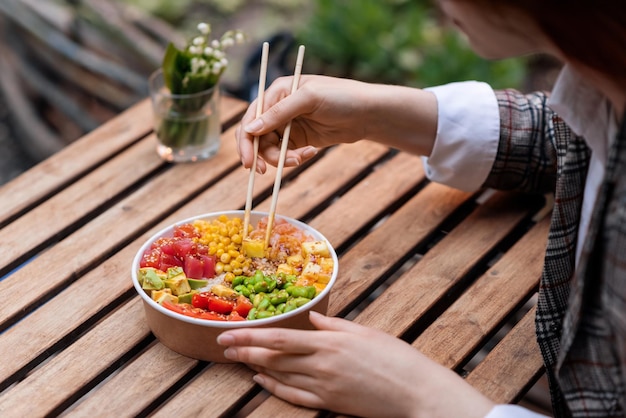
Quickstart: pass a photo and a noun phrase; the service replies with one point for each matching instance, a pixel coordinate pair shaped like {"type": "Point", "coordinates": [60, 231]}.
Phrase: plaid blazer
{"type": "Point", "coordinates": [581, 315]}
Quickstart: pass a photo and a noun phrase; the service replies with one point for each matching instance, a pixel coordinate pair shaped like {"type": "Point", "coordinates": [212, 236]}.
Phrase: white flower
{"type": "Point", "coordinates": [217, 68]}
{"type": "Point", "coordinates": [197, 64]}
{"type": "Point", "coordinates": [215, 43]}
{"type": "Point", "coordinates": [204, 28]}
{"type": "Point", "coordinates": [196, 50]}
{"type": "Point", "coordinates": [218, 54]}
{"type": "Point", "coordinates": [228, 42]}
{"type": "Point", "coordinates": [239, 38]}
{"type": "Point", "coordinates": [208, 50]}
{"type": "Point", "coordinates": [224, 62]}
{"type": "Point", "coordinates": [198, 40]}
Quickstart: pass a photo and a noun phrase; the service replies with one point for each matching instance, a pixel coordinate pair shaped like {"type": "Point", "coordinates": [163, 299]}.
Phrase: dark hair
{"type": "Point", "coordinates": [591, 32]}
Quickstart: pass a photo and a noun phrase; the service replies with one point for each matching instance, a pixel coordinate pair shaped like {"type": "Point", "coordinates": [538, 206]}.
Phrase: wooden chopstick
{"type": "Point", "coordinates": [283, 151]}
{"type": "Point", "coordinates": [259, 111]}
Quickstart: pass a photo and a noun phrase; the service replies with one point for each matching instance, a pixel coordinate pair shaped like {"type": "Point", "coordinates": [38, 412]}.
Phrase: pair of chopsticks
{"type": "Point", "coordinates": [283, 146]}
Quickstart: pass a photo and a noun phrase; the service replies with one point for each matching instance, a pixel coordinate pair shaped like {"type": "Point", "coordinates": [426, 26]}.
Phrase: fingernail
{"type": "Point", "coordinates": [225, 339]}
{"type": "Point", "coordinates": [291, 161]}
{"type": "Point", "coordinates": [254, 126]}
{"type": "Point", "coordinates": [230, 353]}
{"type": "Point", "coordinates": [259, 379]}
{"type": "Point", "coordinates": [309, 152]}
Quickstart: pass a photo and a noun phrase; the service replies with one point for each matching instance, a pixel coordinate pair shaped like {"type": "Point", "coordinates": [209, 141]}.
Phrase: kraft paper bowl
{"type": "Point", "coordinates": [196, 338]}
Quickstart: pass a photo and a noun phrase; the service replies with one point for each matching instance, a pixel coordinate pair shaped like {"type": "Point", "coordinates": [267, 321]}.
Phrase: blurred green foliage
{"type": "Point", "coordinates": [386, 41]}
{"type": "Point", "coordinates": [396, 41]}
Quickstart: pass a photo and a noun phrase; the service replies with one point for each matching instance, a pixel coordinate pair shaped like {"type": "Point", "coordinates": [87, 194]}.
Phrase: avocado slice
{"type": "Point", "coordinates": [179, 285]}
{"type": "Point", "coordinates": [186, 298]}
{"type": "Point", "coordinates": [197, 283]}
{"type": "Point", "coordinates": [150, 278]}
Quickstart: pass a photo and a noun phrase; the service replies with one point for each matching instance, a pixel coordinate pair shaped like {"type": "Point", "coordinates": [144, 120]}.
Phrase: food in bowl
{"type": "Point", "coordinates": [207, 270]}
{"type": "Point", "coordinates": [200, 277]}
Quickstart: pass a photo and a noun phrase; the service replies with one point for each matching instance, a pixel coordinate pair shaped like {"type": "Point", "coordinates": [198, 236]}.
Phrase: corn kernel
{"type": "Point", "coordinates": [225, 258]}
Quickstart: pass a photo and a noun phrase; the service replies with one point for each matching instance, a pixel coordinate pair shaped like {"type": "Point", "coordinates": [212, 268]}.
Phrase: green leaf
{"type": "Point", "coordinates": [169, 65]}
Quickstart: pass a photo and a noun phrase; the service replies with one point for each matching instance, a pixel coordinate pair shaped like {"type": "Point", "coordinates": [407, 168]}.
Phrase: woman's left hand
{"type": "Point", "coordinates": [352, 369]}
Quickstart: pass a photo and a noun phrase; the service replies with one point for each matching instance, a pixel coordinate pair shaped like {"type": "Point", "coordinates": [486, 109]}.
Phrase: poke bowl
{"type": "Point", "coordinates": [200, 277]}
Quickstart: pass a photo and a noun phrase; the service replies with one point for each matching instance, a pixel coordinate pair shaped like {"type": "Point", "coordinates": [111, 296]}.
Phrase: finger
{"type": "Point", "coordinates": [281, 112]}
{"type": "Point", "coordinates": [264, 360]}
{"type": "Point", "coordinates": [286, 340]}
{"type": "Point", "coordinates": [295, 395]}
{"type": "Point", "coordinates": [327, 323]}
{"type": "Point", "coordinates": [269, 150]}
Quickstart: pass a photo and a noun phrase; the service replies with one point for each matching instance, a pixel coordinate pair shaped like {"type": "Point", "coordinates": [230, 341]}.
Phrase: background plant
{"type": "Point", "coordinates": [396, 41]}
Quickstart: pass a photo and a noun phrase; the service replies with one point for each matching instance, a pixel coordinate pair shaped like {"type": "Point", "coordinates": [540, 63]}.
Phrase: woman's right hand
{"type": "Point", "coordinates": [325, 111]}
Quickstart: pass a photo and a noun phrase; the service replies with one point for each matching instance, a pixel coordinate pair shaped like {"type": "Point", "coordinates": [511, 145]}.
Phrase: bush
{"type": "Point", "coordinates": [396, 41]}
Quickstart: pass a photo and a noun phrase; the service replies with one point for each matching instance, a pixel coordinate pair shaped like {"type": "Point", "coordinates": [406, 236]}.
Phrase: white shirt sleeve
{"type": "Point", "coordinates": [468, 131]}
{"type": "Point", "coordinates": [512, 411]}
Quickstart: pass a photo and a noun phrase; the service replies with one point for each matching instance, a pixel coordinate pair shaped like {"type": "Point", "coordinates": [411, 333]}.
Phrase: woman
{"type": "Point", "coordinates": [568, 142]}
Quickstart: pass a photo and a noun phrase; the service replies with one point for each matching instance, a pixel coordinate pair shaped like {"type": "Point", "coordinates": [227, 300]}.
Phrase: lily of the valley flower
{"type": "Point", "coordinates": [191, 74]}
{"type": "Point", "coordinates": [200, 64]}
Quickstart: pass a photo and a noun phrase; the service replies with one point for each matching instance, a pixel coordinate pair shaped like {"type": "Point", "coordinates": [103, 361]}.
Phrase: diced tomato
{"type": "Point", "coordinates": [200, 300]}
{"type": "Point", "coordinates": [242, 306]}
{"type": "Point", "coordinates": [193, 267]}
{"type": "Point", "coordinates": [181, 251]}
{"type": "Point", "coordinates": [183, 309]}
{"type": "Point", "coordinates": [220, 305]}
{"type": "Point", "coordinates": [189, 310]}
{"type": "Point", "coordinates": [234, 316]}
{"type": "Point", "coordinates": [213, 316]}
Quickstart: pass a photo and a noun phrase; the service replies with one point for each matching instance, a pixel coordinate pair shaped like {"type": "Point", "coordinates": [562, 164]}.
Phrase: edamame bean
{"type": "Point", "coordinates": [264, 314]}
{"type": "Point", "coordinates": [280, 297]}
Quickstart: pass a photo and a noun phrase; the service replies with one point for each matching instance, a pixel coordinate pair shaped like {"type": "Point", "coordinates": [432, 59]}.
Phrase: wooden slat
{"type": "Point", "coordinates": [364, 264]}
{"type": "Point", "coordinates": [81, 156]}
{"type": "Point", "coordinates": [309, 190]}
{"type": "Point", "coordinates": [149, 370]}
{"type": "Point", "coordinates": [370, 258]}
{"type": "Point", "coordinates": [476, 314]}
{"type": "Point", "coordinates": [77, 201]}
{"type": "Point", "coordinates": [443, 266]}
{"type": "Point", "coordinates": [58, 265]}
{"type": "Point", "coordinates": [211, 399]}
{"type": "Point", "coordinates": [49, 319]}
{"type": "Point", "coordinates": [86, 339]}
{"type": "Point", "coordinates": [86, 362]}
{"type": "Point", "coordinates": [385, 186]}
{"type": "Point", "coordinates": [428, 280]}
{"type": "Point", "coordinates": [358, 205]}
{"type": "Point", "coordinates": [185, 402]}
{"type": "Point", "coordinates": [512, 366]}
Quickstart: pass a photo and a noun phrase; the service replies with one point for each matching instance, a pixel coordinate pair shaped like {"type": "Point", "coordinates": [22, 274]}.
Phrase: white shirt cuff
{"type": "Point", "coordinates": [468, 132]}
{"type": "Point", "coordinates": [512, 411]}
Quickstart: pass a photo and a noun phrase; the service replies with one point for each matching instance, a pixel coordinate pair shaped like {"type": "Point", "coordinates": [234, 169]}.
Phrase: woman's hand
{"type": "Point", "coordinates": [351, 369]}
{"type": "Point", "coordinates": [325, 111]}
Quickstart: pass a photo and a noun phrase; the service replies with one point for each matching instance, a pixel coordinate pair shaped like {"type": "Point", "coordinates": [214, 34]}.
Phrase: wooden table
{"type": "Point", "coordinates": [448, 271]}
